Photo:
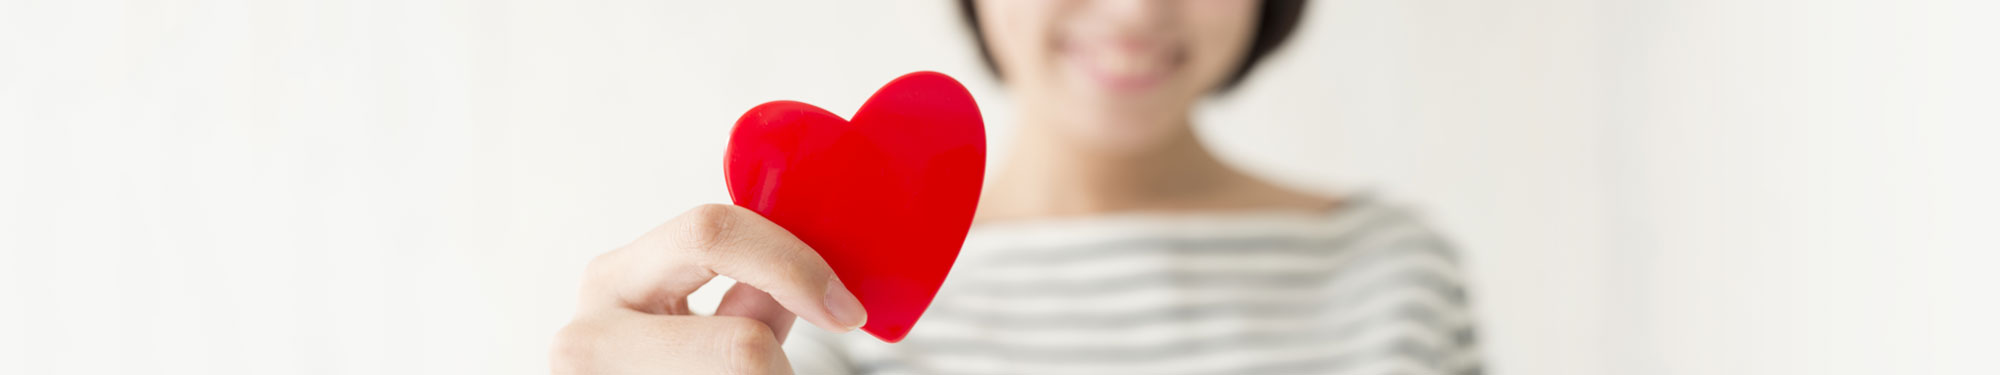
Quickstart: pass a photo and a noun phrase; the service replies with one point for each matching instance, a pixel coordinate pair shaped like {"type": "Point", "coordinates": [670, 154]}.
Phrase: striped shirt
{"type": "Point", "coordinates": [1363, 289]}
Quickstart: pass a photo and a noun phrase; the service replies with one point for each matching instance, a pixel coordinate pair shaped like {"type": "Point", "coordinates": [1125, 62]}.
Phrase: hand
{"type": "Point", "coordinates": [634, 318]}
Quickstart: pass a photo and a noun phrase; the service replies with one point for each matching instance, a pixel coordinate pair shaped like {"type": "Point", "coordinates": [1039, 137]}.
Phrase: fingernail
{"type": "Point", "coordinates": [846, 309]}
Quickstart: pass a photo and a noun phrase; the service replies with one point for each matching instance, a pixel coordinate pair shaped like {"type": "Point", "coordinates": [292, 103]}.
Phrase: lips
{"type": "Point", "coordinates": [1123, 65]}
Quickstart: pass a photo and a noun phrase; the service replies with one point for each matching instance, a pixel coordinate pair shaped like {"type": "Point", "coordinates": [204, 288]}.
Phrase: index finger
{"type": "Point", "coordinates": [656, 273]}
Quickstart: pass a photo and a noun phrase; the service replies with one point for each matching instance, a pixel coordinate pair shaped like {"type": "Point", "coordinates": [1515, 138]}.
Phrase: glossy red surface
{"type": "Point", "coordinates": [886, 198]}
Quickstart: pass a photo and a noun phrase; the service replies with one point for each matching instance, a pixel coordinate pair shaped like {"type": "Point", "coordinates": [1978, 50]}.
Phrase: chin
{"type": "Point", "coordinates": [1122, 132]}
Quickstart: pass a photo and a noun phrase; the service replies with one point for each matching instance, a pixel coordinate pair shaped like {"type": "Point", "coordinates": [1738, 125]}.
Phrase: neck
{"type": "Point", "coordinates": [1053, 175]}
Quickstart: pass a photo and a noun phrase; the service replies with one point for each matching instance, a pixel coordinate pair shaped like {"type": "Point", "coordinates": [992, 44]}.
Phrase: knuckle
{"type": "Point", "coordinates": [705, 227]}
{"type": "Point", "coordinates": [751, 345]}
{"type": "Point", "coordinates": [599, 263]}
{"type": "Point", "coordinates": [573, 350]}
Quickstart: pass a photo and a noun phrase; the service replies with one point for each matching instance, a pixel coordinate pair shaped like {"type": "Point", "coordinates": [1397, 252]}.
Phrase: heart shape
{"type": "Point", "coordinates": [886, 198]}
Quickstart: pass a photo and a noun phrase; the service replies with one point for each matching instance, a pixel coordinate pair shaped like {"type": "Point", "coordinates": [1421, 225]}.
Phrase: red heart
{"type": "Point", "coordinates": [886, 198]}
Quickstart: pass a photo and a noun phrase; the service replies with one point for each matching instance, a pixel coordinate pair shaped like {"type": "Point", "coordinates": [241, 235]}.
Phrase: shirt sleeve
{"type": "Point", "coordinates": [1456, 348]}
{"type": "Point", "coordinates": [1460, 354]}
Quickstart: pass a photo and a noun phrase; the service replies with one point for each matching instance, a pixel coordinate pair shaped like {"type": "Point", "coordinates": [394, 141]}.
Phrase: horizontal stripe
{"type": "Point", "coordinates": [1036, 255]}
{"type": "Point", "coordinates": [1402, 349]}
{"type": "Point", "coordinates": [1302, 360]}
{"type": "Point", "coordinates": [1257, 259]}
{"type": "Point", "coordinates": [1443, 313]}
{"type": "Point", "coordinates": [1124, 283]}
{"type": "Point", "coordinates": [1423, 272]}
{"type": "Point", "coordinates": [1425, 281]}
{"type": "Point", "coordinates": [1464, 361]}
{"type": "Point", "coordinates": [1424, 311]}
{"type": "Point", "coordinates": [1057, 235]}
{"type": "Point", "coordinates": [1367, 290]}
{"type": "Point", "coordinates": [1412, 319]}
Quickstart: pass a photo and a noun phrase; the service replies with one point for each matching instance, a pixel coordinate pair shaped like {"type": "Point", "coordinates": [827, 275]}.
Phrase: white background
{"type": "Point", "coordinates": [358, 187]}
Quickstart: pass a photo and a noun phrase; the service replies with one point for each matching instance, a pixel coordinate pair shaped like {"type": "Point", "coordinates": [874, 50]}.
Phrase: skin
{"type": "Point", "coordinates": [1106, 89]}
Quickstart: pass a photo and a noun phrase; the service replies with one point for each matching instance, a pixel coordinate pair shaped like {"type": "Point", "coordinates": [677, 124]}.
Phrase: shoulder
{"type": "Point", "coordinates": [1370, 215]}
{"type": "Point", "coordinates": [1373, 226]}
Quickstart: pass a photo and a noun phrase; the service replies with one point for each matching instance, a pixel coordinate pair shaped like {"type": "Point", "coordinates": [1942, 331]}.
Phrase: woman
{"type": "Point", "coordinates": [1110, 242]}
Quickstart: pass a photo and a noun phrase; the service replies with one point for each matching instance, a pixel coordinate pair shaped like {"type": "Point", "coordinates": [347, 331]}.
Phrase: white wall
{"type": "Point", "coordinates": [1693, 187]}
{"type": "Point", "coordinates": [1804, 188]}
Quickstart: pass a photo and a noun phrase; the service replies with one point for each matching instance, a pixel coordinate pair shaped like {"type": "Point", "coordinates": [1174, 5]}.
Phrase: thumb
{"type": "Point", "coordinates": [746, 301]}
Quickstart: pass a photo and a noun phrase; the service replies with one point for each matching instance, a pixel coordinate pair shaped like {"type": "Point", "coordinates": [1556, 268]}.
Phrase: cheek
{"type": "Point", "coordinates": [1220, 34]}
{"type": "Point", "coordinates": [1016, 34]}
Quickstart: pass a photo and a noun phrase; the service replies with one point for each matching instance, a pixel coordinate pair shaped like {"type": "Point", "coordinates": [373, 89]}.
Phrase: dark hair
{"type": "Point", "coordinates": [1275, 21]}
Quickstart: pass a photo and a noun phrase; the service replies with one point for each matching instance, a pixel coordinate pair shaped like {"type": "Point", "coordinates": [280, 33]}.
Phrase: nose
{"type": "Point", "coordinates": [1131, 16]}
